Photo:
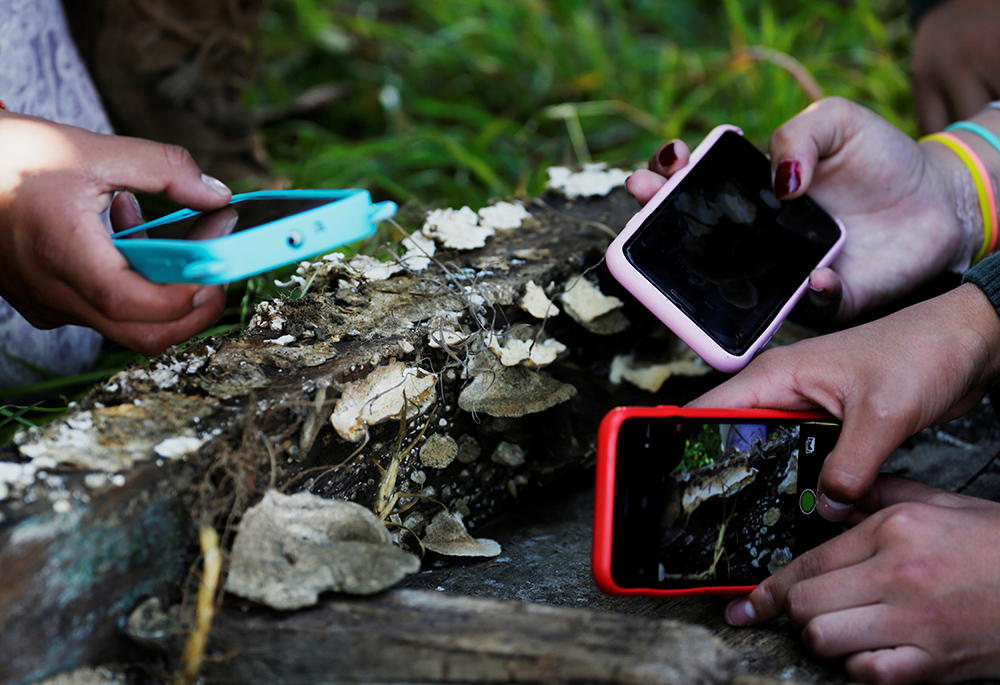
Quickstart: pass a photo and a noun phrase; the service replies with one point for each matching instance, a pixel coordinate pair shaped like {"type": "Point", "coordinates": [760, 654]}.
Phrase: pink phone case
{"type": "Point", "coordinates": [665, 310]}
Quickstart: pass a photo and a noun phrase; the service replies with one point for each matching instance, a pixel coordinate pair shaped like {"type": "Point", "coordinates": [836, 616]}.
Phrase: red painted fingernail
{"type": "Point", "coordinates": [787, 178]}
{"type": "Point", "coordinates": [666, 156]}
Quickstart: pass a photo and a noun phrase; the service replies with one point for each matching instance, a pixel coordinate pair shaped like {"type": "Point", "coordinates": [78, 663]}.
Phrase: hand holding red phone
{"type": "Point", "coordinates": [909, 594]}
{"type": "Point", "coordinates": [895, 197]}
{"type": "Point", "coordinates": [57, 262]}
{"type": "Point", "coordinates": [705, 501]}
{"type": "Point", "coordinates": [885, 380]}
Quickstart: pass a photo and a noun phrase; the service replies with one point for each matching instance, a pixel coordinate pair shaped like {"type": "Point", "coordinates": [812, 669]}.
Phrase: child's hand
{"type": "Point", "coordinates": [57, 262]}
{"type": "Point", "coordinates": [896, 198]}
{"type": "Point", "coordinates": [910, 594]}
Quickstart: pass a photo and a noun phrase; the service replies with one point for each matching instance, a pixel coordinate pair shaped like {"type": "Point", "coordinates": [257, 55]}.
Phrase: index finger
{"type": "Point", "coordinates": [820, 131]}
{"type": "Point", "coordinates": [770, 598]}
{"type": "Point", "coordinates": [94, 268]}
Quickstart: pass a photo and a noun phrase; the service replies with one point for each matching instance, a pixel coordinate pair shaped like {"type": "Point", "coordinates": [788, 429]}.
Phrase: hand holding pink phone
{"type": "Point", "coordinates": [717, 257]}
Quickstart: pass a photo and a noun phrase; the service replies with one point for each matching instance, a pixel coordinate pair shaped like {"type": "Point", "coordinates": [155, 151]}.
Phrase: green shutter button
{"type": "Point", "coordinates": [807, 501]}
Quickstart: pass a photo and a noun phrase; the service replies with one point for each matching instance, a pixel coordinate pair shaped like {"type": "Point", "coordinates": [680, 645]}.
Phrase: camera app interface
{"type": "Point", "coordinates": [725, 250]}
{"type": "Point", "coordinates": [711, 502]}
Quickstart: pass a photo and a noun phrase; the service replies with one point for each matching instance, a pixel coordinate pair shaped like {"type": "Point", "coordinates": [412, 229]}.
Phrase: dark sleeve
{"type": "Point", "coordinates": [986, 275]}
{"type": "Point", "coordinates": [918, 8]}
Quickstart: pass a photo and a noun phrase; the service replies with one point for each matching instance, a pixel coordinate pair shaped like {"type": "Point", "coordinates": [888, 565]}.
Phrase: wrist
{"type": "Point", "coordinates": [978, 300]}
{"type": "Point", "coordinates": [982, 145]}
{"type": "Point", "coordinates": [965, 215]}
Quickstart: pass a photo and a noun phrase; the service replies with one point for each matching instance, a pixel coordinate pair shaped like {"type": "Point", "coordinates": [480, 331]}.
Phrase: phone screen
{"type": "Point", "coordinates": [233, 218]}
{"type": "Point", "coordinates": [725, 250]}
{"type": "Point", "coordinates": [714, 503]}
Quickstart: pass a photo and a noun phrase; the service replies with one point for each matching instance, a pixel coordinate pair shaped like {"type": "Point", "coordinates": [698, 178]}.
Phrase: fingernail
{"type": "Point", "coordinates": [820, 300]}
{"type": "Point", "coordinates": [832, 510]}
{"type": "Point", "coordinates": [201, 296]}
{"type": "Point", "coordinates": [740, 612]}
{"type": "Point", "coordinates": [134, 201]}
{"type": "Point", "coordinates": [787, 178]}
{"type": "Point", "coordinates": [666, 156]}
{"type": "Point", "coordinates": [215, 184]}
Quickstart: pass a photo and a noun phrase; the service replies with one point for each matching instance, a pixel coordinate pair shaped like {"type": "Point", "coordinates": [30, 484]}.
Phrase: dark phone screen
{"type": "Point", "coordinates": [712, 503]}
{"type": "Point", "coordinates": [233, 218]}
{"type": "Point", "coordinates": [725, 250]}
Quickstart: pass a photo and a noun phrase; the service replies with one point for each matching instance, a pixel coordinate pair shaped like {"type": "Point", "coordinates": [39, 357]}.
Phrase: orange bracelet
{"type": "Point", "coordinates": [984, 189]}
{"type": "Point", "coordinates": [2, 106]}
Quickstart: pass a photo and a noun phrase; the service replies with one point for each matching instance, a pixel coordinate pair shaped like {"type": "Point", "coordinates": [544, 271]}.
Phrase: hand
{"type": "Point", "coordinates": [896, 198]}
{"type": "Point", "coordinates": [956, 61]}
{"type": "Point", "coordinates": [58, 264]}
{"type": "Point", "coordinates": [909, 594]}
{"type": "Point", "coordinates": [885, 380]}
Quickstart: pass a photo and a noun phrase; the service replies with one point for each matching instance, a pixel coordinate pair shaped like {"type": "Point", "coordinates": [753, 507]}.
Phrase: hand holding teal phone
{"type": "Point", "coordinates": [255, 232]}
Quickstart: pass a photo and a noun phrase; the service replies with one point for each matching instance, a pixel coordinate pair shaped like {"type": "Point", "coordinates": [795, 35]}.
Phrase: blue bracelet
{"type": "Point", "coordinates": [980, 131]}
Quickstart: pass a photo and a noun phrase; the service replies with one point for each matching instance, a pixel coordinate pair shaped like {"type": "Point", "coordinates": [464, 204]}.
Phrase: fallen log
{"type": "Point", "coordinates": [411, 636]}
{"type": "Point", "coordinates": [473, 364]}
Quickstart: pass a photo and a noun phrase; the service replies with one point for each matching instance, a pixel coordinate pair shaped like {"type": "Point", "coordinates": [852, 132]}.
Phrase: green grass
{"type": "Point", "coordinates": [455, 102]}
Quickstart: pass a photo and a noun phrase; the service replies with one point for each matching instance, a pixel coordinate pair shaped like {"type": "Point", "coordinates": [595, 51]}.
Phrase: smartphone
{"type": "Point", "coordinates": [706, 501]}
{"type": "Point", "coordinates": [255, 232]}
{"type": "Point", "coordinates": [717, 257]}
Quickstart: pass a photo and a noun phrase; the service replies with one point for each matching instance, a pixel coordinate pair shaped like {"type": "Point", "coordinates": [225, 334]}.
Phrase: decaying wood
{"type": "Point", "coordinates": [430, 637]}
{"type": "Point", "coordinates": [216, 422]}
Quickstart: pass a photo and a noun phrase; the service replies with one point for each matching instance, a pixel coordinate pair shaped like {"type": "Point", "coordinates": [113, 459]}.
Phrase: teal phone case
{"type": "Point", "coordinates": [350, 216]}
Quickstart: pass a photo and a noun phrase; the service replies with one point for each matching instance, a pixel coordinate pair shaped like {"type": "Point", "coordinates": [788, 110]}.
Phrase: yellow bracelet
{"type": "Point", "coordinates": [984, 188]}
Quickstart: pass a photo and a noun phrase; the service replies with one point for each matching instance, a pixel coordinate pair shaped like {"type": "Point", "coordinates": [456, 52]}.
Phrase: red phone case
{"type": "Point", "coordinates": [607, 438]}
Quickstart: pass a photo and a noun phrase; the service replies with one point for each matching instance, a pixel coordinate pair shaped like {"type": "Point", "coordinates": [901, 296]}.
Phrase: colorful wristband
{"type": "Point", "coordinates": [2, 106]}
{"type": "Point", "coordinates": [984, 188]}
{"type": "Point", "coordinates": [980, 131]}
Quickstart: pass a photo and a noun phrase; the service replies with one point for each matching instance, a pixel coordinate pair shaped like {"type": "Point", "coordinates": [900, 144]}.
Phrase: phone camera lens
{"type": "Point", "coordinates": [294, 239]}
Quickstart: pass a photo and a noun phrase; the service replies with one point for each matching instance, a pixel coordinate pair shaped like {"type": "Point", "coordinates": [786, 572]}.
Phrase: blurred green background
{"type": "Point", "coordinates": [452, 102]}
{"type": "Point", "coordinates": [444, 103]}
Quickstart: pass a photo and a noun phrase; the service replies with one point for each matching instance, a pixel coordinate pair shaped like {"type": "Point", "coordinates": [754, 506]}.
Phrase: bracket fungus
{"type": "Point", "coordinates": [509, 391]}
{"type": "Point", "coordinates": [457, 229]}
{"type": "Point", "coordinates": [290, 548]}
{"type": "Point", "coordinates": [535, 353]}
{"type": "Point", "coordinates": [446, 534]}
{"type": "Point", "coordinates": [585, 300]}
{"type": "Point", "coordinates": [594, 179]}
{"type": "Point", "coordinates": [592, 309]}
{"type": "Point", "coordinates": [537, 303]}
{"type": "Point", "coordinates": [651, 376]}
{"type": "Point", "coordinates": [381, 396]}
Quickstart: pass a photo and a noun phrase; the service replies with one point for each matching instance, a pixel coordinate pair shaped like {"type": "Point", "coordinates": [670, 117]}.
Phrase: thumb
{"type": "Point", "coordinates": [864, 445]}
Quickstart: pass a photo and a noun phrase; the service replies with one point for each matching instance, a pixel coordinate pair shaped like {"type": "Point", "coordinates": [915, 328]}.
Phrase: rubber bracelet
{"type": "Point", "coordinates": [980, 131]}
{"type": "Point", "coordinates": [984, 189]}
{"type": "Point", "coordinates": [2, 106]}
